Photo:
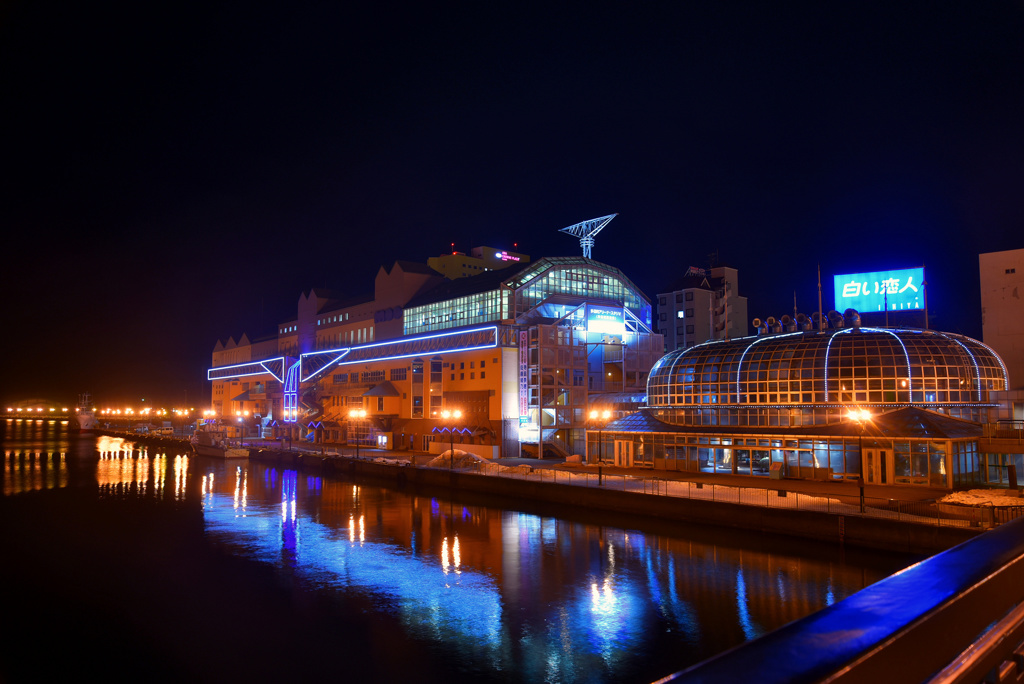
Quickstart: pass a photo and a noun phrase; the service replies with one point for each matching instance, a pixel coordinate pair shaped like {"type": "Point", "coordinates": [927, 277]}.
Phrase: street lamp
{"type": "Point", "coordinates": [452, 416]}
{"type": "Point", "coordinates": [357, 414]}
{"type": "Point", "coordinates": [600, 418]}
{"type": "Point", "coordinates": [862, 417]}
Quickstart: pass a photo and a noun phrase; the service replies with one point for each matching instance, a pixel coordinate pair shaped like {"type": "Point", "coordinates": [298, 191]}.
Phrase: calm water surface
{"type": "Point", "coordinates": [209, 570]}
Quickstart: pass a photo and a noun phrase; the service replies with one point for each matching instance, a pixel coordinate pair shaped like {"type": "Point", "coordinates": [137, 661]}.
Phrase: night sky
{"type": "Point", "coordinates": [178, 173]}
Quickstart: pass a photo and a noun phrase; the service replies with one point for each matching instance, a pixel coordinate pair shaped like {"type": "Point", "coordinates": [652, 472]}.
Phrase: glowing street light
{"type": "Point", "coordinates": [863, 418]}
{"type": "Point", "coordinates": [451, 417]}
{"type": "Point", "coordinates": [354, 415]}
{"type": "Point", "coordinates": [600, 418]}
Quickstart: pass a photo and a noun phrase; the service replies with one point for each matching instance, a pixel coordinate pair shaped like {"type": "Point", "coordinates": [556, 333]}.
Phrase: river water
{"type": "Point", "coordinates": [129, 563]}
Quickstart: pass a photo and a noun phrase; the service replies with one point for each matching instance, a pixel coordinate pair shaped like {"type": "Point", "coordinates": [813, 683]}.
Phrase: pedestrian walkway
{"type": "Point", "coordinates": [845, 489]}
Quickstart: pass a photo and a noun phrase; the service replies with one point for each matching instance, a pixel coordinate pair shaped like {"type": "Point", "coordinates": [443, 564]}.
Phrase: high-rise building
{"type": "Point", "coordinates": [702, 305]}
{"type": "Point", "coordinates": [1002, 309]}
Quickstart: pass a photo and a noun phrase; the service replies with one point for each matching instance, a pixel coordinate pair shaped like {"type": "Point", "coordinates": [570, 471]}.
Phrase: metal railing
{"type": "Point", "coordinates": [1004, 429]}
{"type": "Point", "coordinates": [923, 512]}
{"type": "Point", "coordinates": [953, 618]}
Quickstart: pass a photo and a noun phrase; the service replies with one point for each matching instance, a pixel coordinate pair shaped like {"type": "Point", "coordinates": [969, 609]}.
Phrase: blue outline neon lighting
{"type": "Point", "coordinates": [1006, 376]}
{"type": "Point", "coordinates": [261, 364]}
{"type": "Point", "coordinates": [326, 365]}
{"type": "Point", "coordinates": [739, 366]}
{"type": "Point", "coordinates": [906, 355]}
{"type": "Point", "coordinates": [405, 340]}
{"type": "Point", "coordinates": [977, 371]}
{"type": "Point", "coordinates": [828, 352]}
{"type": "Point", "coordinates": [291, 393]}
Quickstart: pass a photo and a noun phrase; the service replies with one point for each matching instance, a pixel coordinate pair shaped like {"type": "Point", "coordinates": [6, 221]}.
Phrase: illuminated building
{"type": "Point", "coordinates": [703, 305]}
{"type": "Point", "coordinates": [479, 260]}
{"type": "Point", "coordinates": [741, 406]}
{"type": "Point", "coordinates": [522, 351]}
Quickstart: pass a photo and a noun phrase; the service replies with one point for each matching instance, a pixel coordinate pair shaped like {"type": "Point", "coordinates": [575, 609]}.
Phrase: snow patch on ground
{"type": "Point", "coordinates": [984, 497]}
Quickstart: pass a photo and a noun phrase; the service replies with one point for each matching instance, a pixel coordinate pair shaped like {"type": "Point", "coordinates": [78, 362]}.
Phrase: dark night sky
{"type": "Point", "coordinates": [178, 173]}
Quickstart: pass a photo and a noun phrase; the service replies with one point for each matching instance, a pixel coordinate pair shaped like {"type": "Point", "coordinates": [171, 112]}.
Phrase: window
{"type": "Point", "coordinates": [483, 374]}
{"type": "Point", "coordinates": [681, 314]}
{"type": "Point", "coordinates": [462, 376]}
{"type": "Point", "coordinates": [662, 301]}
{"type": "Point", "coordinates": [472, 376]}
{"type": "Point", "coordinates": [689, 296]}
{"type": "Point", "coordinates": [664, 316]}
{"type": "Point", "coordinates": [689, 313]}
{"type": "Point", "coordinates": [689, 329]}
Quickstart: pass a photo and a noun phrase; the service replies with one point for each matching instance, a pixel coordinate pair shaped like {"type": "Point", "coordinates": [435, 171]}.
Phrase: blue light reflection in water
{"type": "Point", "coordinates": [533, 597]}
{"type": "Point", "coordinates": [432, 593]}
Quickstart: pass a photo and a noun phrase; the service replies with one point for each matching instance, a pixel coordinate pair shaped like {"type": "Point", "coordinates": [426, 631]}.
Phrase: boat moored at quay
{"type": "Point", "coordinates": [212, 441]}
{"type": "Point", "coordinates": [85, 413]}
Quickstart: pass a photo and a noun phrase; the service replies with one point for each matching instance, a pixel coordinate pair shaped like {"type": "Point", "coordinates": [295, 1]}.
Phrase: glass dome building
{"type": "Point", "coordinates": [894, 406]}
{"type": "Point", "coordinates": [813, 378]}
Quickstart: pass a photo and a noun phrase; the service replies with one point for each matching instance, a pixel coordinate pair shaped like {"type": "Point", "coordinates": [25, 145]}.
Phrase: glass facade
{"type": "Point", "coordinates": [575, 278]}
{"type": "Point", "coordinates": [482, 307]}
{"type": "Point", "coordinates": [578, 278]}
{"type": "Point", "coordinates": [804, 378]}
{"type": "Point", "coordinates": [915, 461]}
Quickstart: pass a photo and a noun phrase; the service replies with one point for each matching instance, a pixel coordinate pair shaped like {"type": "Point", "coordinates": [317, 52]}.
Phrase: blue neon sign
{"type": "Point", "coordinates": [901, 290]}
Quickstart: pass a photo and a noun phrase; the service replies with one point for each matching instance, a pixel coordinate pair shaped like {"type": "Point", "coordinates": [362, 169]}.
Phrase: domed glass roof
{"type": "Point", "coordinates": [862, 366]}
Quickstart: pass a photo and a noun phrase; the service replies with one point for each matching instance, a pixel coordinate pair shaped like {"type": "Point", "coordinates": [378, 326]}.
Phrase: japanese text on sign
{"type": "Point", "coordinates": [866, 292]}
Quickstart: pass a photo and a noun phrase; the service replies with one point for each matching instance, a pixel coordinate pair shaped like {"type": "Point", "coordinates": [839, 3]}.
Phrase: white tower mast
{"type": "Point", "coordinates": [586, 231]}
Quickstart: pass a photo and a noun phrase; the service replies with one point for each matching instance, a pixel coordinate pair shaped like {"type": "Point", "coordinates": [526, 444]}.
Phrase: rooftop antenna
{"type": "Point", "coordinates": [586, 231]}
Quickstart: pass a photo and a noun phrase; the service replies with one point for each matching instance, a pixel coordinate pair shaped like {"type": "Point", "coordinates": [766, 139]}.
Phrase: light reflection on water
{"type": "Point", "coordinates": [536, 596]}
{"type": "Point", "coordinates": [512, 595]}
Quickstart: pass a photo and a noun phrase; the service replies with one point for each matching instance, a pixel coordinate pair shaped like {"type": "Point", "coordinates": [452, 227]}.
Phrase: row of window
{"type": "Point", "coordinates": [680, 297]}
{"type": "Point", "coordinates": [775, 416]}
{"type": "Point", "coordinates": [483, 307]}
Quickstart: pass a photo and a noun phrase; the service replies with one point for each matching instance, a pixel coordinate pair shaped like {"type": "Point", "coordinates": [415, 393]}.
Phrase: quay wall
{"type": "Point", "coordinates": [892, 535]}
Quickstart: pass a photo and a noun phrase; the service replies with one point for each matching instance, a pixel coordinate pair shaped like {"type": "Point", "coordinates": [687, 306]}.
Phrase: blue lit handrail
{"type": "Point", "coordinates": [905, 628]}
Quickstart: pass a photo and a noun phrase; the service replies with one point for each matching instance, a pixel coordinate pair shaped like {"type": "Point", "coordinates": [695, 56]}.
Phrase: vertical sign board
{"type": "Point", "coordinates": [901, 290]}
{"type": "Point", "coordinates": [524, 372]}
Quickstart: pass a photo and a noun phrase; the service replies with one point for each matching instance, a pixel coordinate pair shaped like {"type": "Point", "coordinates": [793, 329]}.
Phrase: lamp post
{"type": "Point", "coordinates": [354, 415]}
{"type": "Point", "coordinates": [450, 417]}
{"type": "Point", "coordinates": [862, 418]}
{"type": "Point", "coordinates": [599, 418]}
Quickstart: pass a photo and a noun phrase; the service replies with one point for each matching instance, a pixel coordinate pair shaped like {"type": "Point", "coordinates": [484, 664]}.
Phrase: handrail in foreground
{"type": "Point", "coordinates": [905, 628]}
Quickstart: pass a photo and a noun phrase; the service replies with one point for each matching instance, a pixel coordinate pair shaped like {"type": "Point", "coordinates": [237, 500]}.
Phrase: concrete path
{"type": "Point", "coordinates": [835, 488]}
